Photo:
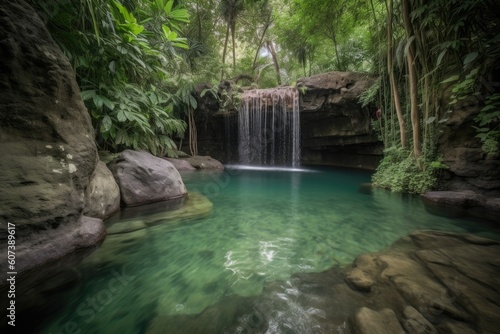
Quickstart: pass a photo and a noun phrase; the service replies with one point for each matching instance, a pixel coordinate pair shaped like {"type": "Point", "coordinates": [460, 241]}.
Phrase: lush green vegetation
{"type": "Point", "coordinates": [138, 61]}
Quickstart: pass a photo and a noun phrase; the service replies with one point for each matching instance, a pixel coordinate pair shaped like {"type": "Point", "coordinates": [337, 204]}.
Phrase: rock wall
{"type": "Point", "coordinates": [469, 167]}
{"type": "Point", "coordinates": [47, 148]}
{"type": "Point", "coordinates": [334, 128]}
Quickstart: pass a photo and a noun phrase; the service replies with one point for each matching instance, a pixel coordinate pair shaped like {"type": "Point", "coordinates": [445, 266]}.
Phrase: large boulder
{"type": "Point", "coordinates": [103, 195]}
{"type": "Point", "coordinates": [46, 144]}
{"type": "Point", "coordinates": [144, 178]}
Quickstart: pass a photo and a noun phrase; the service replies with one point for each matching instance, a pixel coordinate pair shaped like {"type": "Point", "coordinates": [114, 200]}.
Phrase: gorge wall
{"type": "Point", "coordinates": [470, 168]}
{"type": "Point", "coordinates": [334, 128]}
{"type": "Point", "coordinates": [47, 149]}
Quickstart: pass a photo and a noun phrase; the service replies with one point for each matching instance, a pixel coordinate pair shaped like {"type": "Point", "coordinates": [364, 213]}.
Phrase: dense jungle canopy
{"type": "Point", "coordinates": [138, 61]}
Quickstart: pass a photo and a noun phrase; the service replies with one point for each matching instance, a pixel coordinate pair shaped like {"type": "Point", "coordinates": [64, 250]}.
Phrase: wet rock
{"type": "Point", "coordinates": [335, 129]}
{"type": "Point", "coordinates": [46, 144]}
{"type": "Point", "coordinates": [415, 323]}
{"type": "Point", "coordinates": [458, 199]}
{"type": "Point", "coordinates": [204, 162]}
{"type": "Point", "coordinates": [38, 248]}
{"type": "Point", "coordinates": [368, 321]}
{"type": "Point", "coordinates": [102, 196]}
{"type": "Point", "coordinates": [180, 164]}
{"type": "Point", "coordinates": [194, 205]}
{"type": "Point", "coordinates": [455, 328]}
{"type": "Point", "coordinates": [469, 168]}
{"type": "Point", "coordinates": [429, 282]}
{"type": "Point", "coordinates": [144, 178]}
{"type": "Point", "coordinates": [362, 276]}
{"type": "Point", "coordinates": [458, 203]}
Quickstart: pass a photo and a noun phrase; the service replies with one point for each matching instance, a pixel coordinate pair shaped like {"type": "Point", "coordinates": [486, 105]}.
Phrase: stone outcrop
{"type": "Point", "coordinates": [144, 178]}
{"type": "Point", "coordinates": [469, 167]}
{"type": "Point", "coordinates": [471, 183]}
{"type": "Point", "coordinates": [462, 203]}
{"type": "Point", "coordinates": [204, 162]}
{"type": "Point", "coordinates": [429, 282]}
{"type": "Point", "coordinates": [180, 164]}
{"type": "Point", "coordinates": [335, 129]}
{"type": "Point", "coordinates": [46, 144]}
{"type": "Point", "coordinates": [102, 196]}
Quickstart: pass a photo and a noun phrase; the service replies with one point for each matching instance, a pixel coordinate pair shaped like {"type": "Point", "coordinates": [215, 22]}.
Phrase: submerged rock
{"type": "Point", "coordinates": [46, 144]}
{"type": "Point", "coordinates": [193, 206]}
{"type": "Point", "coordinates": [144, 178]}
{"type": "Point", "coordinates": [430, 282]}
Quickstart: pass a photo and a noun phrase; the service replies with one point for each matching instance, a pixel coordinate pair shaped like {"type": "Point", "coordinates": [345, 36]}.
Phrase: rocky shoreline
{"type": "Point", "coordinates": [427, 282]}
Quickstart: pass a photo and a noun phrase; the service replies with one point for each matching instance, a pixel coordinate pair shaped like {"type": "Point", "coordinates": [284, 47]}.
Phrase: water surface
{"type": "Point", "coordinates": [264, 226]}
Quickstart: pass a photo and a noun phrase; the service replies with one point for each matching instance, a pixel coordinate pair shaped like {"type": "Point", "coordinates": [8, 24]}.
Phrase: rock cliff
{"type": "Point", "coordinates": [47, 148]}
{"type": "Point", "coordinates": [334, 128]}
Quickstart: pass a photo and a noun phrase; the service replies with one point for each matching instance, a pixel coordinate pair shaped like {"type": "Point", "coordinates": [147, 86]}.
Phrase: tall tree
{"type": "Point", "coordinates": [412, 77]}
{"type": "Point", "coordinates": [392, 80]}
{"type": "Point", "coordinates": [230, 10]}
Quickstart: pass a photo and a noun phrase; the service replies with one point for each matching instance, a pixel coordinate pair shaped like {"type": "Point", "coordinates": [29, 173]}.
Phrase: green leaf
{"type": "Point", "coordinates": [430, 120]}
{"type": "Point", "coordinates": [98, 102]}
{"type": "Point", "coordinates": [470, 57]}
{"type": "Point", "coordinates": [106, 124]}
{"type": "Point", "coordinates": [180, 15]}
{"type": "Point", "coordinates": [121, 116]}
{"type": "Point", "coordinates": [87, 94]}
{"type": "Point", "coordinates": [108, 103]}
{"type": "Point", "coordinates": [451, 79]}
{"type": "Point", "coordinates": [440, 57]}
{"type": "Point", "coordinates": [168, 7]}
{"type": "Point", "coordinates": [193, 102]}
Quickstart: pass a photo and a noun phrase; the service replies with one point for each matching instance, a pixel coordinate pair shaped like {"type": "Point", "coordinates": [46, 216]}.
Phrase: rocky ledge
{"type": "Point", "coordinates": [463, 203]}
{"type": "Point", "coordinates": [428, 282]}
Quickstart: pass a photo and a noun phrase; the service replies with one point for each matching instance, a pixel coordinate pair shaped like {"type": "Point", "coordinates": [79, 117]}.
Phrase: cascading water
{"type": "Point", "coordinates": [269, 127]}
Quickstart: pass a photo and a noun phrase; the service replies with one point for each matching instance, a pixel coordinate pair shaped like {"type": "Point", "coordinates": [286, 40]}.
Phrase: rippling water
{"type": "Point", "coordinates": [264, 226]}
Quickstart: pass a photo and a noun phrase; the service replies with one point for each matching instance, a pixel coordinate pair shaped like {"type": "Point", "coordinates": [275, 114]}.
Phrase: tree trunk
{"type": "Point", "coordinates": [339, 64]}
{"type": "Point", "coordinates": [260, 45]}
{"type": "Point", "coordinates": [412, 73]}
{"type": "Point", "coordinates": [193, 140]}
{"type": "Point", "coordinates": [224, 51]}
{"type": "Point", "coordinates": [392, 80]}
{"type": "Point", "coordinates": [270, 46]}
{"type": "Point", "coordinates": [233, 27]}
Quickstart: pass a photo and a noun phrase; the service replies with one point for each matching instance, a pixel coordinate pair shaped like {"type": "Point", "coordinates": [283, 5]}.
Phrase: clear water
{"type": "Point", "coordinates": [264, 226]}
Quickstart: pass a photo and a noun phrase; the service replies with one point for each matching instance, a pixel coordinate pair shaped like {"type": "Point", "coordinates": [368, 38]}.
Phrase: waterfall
{"type": "Point", "coordinates": [269, 127]}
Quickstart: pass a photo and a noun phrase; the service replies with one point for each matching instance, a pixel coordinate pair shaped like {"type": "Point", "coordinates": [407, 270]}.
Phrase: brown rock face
{"type": "Point", "coordinates": [46, 142]}
{"type": "Point", "coordinates": [335, 129]}
{"type": "Point", "coordinates": [469, 167]}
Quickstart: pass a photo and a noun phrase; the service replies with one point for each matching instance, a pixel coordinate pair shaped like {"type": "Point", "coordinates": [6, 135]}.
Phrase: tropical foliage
{"type": "Point", "coordinates": [124, 56]}
{"type": "Point", "coordinates": [138, 61]}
